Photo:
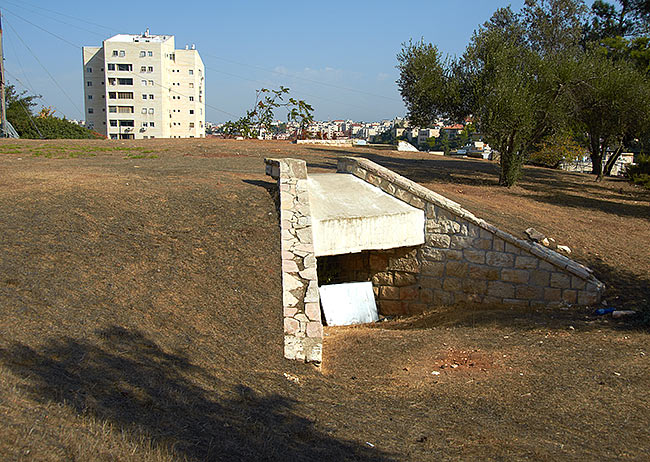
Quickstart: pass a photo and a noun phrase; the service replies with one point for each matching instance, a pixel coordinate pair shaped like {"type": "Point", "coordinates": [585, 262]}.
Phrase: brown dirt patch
{"type": "Point", "coordinates": [140, 320]}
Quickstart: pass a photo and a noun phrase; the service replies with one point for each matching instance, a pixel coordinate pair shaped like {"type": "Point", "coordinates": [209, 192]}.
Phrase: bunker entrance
{"type": "Point", "coordinates": [392, 272]}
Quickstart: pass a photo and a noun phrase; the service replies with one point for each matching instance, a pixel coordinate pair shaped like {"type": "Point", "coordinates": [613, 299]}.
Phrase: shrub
{"type": "Point", "coordinates": [555, 150]}
{"type": "Point", "coordinates": [639, 174]}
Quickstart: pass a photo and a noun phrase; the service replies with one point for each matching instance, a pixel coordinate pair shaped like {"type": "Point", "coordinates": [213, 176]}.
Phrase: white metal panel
{"type": "Point", "coordinates": [349, 303]}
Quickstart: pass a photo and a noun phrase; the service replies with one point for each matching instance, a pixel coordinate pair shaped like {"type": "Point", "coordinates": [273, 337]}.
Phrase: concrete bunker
{"type": "Point", "coordinates": [419, 249]}
{"type": "Point", "coordinates": [363, 234]}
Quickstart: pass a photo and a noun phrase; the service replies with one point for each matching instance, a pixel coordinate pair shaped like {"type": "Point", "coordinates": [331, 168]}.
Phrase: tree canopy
{"type": "Point", "coordinates": [260, 117]}
{"type": "Point", "coordinates": [551, 69]}
{"type": "Point", "coordinates": [44, 125]}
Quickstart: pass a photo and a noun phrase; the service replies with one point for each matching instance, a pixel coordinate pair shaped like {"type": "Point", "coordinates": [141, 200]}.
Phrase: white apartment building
{"type": "Point", "coordinates": [140, 87]}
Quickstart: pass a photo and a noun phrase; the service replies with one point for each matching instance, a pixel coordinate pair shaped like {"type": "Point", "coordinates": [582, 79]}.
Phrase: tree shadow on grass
{"type": "Point", "coordinates": [579, 202]}
{"type": "Point", "coordinates": [125, 378]}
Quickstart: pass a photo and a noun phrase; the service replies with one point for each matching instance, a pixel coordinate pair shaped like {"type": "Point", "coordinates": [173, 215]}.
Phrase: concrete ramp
{"type": "Point", "coordinates": [349, 215]}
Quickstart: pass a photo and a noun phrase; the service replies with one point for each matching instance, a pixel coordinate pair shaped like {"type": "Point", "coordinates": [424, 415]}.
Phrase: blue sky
{"type": "Point", "coordinates": [338, 56]}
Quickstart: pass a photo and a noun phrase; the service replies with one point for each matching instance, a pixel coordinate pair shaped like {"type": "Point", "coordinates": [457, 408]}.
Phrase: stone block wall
{"type": "Point", "coordinates": [466, 260]}
{"type": "Point", "coordinates": [394, 275]}
{"type": "Point", "coordinates": [303, 329]}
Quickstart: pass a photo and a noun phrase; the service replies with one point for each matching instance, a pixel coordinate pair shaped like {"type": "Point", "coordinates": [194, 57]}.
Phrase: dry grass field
{"type": "Point", "coordinates": [140, 319]}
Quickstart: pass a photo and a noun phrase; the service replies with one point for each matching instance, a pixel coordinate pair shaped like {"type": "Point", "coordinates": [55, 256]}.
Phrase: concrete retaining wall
{"type": "Point", "coordinates": [467, 260]}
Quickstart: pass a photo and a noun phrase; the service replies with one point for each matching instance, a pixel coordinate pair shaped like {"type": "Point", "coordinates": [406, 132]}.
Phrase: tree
{"type": "Point", "coordinates": [526, 76]}
{"type": "Point", "coordinates": [43, 125]}
{"type": "Point", "coordinates": [260, 117]}
{"type": "Point", "coordinates": [608, 101]}
{"type": "Point", "coordinates": [422, 82]}
{"type": "Point", "coordinates": [555, 149]}
{"type": "Point", "coordinates": [19, 110]}
{"type": "Point", "coordinates": [507, 78]}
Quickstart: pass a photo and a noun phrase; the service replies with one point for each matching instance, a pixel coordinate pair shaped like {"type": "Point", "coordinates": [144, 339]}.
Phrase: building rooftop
{"type": "Point", "coordinates": [146, 37]}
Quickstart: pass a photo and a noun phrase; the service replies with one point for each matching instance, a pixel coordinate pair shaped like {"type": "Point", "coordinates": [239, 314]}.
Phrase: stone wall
{"type": "Point", "coordinates": [394, 275]}
{"type": "Point", "coordinates": [466, 260]}
{"type": "Point", "coordinates": [303, 329]}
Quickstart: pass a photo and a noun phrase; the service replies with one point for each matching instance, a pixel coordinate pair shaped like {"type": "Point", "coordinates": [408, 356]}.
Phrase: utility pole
{"type": "Point", "coordinates": [3, 103]}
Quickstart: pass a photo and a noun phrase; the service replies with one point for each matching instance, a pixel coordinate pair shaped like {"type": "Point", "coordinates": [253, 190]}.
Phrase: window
{"type": "Point", "coordinates": [112, 108]}
{"type": "Point", "coordinates": [144, 124]}
{"type": "Point", "coordinates": [191, 85]}
{"type": "Point", "coordinates": [152, 136]}
{"type": "Point", "coordinates": [114, 136]}
{"type": "Point", "coordinates": [191, 111]}
{"type": "Point", "coordinates": [125, 67]}
{"type": "Point", "coordinates": [112, 80]}
{"type": "Point", "coordinates": [150, 53]}
{"type": "Point", "coordinates": [125, 109]}
{"type": "Point", "coordinates": [124, 95]}
{"type": "Point", "coordinates": [111, 95]}
{"type": "Point", "coordinates": [150, 82]}
{"type": "Point", "coordinates": [114, 52]}
{"type": "Point", "coordinates": [127, 123]}
{"type": "Point", "coordinates": [143, 54]}
{"type": "Point", "coordinates": [89, 69]}
{"type": "Point", "coordinates": [191, 124]}
{"type": "Point", "coordinates": [151, 124]}
{"type": "Point", "coordinates": [144, 96]}
{"type": "Point", "coordinates": [89, 83]}
{"type": "Point", "coordinates": [150, 110]}
{"type": "Point", "coordinates": [144, 83]}
{"type": "Point", "coordinates": [191, 71]}
{"type": "Point", "coordinates": [122, 53]}
{"type": "Point", "coordinates": [90, 110]}
{"type": "Point", "coordinates": [150, 96]}
{"type": "Point", "coordinates": [111, 66]}
{"type": "Point", "coordinates": [191, 98]}
{"type": "Point", "coordinates": [113, 123]}
{"type": "Point", "coordinates": [125, 81]}
{"type": "Point", "coordinates": [144, 110]}
{"type": "Point", "coordinates": [143, 68]}
{"type": "Point", "coordinates": [90, 96]}
{"type": "Point", "coordinates": [150, 69]}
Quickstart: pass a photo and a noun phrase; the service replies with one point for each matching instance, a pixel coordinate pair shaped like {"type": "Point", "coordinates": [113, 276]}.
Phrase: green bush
{"type": "Point", "coordinates": [554, 150]}
{"type": "Point", "coordinates": [52, 127]}
{"type": "Point", "coordinates": [639, 174]}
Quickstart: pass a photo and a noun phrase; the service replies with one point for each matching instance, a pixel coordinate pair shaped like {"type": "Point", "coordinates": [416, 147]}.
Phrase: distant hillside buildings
{"type": "Point", "coordinates": [140, 87]}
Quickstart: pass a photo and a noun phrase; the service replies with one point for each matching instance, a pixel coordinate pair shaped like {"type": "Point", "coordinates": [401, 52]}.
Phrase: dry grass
{"type": "Point", "coordinates": [139, 320]}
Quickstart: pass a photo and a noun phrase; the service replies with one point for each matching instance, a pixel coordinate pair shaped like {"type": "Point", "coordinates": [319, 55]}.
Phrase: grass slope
{"type": "Point", "coordinates": [140, 320]}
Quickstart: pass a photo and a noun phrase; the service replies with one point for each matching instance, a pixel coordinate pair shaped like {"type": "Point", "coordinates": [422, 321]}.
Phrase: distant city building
{"type": "Point", "coordinates": [140, 86]}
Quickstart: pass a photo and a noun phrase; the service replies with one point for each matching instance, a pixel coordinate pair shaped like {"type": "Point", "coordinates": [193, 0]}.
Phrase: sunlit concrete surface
{"type": "Point", "coordinates": [350, 215]}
